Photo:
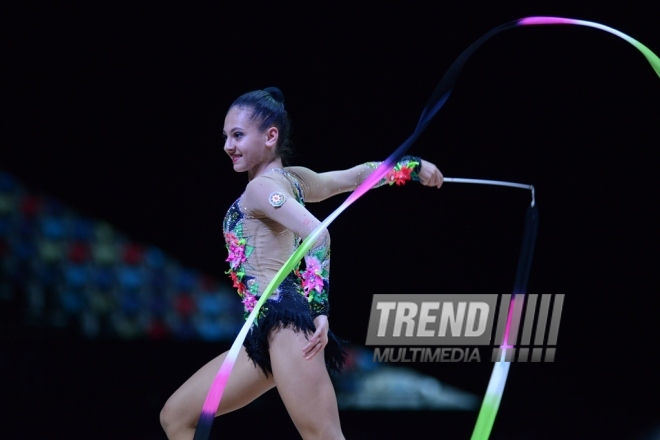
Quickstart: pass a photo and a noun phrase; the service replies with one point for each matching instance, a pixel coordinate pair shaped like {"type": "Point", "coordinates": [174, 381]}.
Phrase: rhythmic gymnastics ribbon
{"type": "Point", "coordinates": [438, 98]}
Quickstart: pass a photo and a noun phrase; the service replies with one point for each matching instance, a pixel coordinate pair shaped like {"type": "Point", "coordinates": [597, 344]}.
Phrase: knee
{"type": "Point", "coordinates": [168, 416]}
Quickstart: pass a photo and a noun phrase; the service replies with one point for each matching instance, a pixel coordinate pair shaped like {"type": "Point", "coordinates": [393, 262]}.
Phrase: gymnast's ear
{"type": "Point", "coordinates": [272, 135]}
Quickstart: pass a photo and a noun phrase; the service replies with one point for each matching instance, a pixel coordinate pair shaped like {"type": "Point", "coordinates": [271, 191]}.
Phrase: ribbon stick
{"type": "Point", "coordinates": [434, 104]}
{"type": "Point", "coordinates": [494, 182]}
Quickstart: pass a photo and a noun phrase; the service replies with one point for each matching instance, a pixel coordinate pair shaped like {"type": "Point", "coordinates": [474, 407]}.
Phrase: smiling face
{"type": "Point", "coordinates": [249, 148]}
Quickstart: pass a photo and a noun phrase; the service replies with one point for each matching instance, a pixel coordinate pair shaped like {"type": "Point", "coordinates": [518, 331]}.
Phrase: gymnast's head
{"type": "Point", "coordinates": [261, 111]}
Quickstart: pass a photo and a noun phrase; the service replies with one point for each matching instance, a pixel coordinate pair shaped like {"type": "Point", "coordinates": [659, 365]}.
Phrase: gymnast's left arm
{"type": "Point", "coordinates": [320, 186]}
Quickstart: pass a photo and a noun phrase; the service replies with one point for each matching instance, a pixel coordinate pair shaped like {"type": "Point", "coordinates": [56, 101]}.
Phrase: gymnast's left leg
{"type": "Point", "coordinates": [181, 411]}
{"type": "Point", "coordinates": [304, 386]}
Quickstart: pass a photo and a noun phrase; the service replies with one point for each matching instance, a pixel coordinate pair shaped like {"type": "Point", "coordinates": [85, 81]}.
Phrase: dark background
{"type": "Point", "coordinates": [117, 110]}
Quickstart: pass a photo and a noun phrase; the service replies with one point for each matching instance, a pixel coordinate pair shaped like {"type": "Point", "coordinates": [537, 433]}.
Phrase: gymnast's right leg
{"type": "Point", "coordinates": [181, 411]}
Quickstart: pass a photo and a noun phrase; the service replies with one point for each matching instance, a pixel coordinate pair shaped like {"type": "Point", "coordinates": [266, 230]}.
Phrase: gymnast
{"type": "Point", "coordinates": [290, 346]}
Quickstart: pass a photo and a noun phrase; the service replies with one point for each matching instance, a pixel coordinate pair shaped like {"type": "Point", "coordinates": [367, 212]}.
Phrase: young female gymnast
{"type": "Point", "coordinates": [290, 346]}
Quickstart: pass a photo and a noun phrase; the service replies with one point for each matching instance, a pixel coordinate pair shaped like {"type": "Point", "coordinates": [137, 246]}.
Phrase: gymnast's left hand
{"type": "Point", "coordinates": [430, 175]}
{"type": "Point", "coordinates": [319, 339]}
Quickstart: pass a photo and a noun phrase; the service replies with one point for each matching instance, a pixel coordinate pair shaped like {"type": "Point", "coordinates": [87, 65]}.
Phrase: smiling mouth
{"type": "Point", "coordinates": [235, 157]}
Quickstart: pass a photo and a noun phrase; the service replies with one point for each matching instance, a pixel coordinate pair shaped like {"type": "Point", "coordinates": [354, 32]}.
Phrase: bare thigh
{"type": "Point", "coordinates": [304, 386]}
{"type": "Point", "coordinates": [245, 384]}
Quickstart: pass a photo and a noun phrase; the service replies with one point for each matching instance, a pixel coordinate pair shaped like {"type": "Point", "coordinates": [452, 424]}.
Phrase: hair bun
{"type": "Point", "coordinates": [275, 93]}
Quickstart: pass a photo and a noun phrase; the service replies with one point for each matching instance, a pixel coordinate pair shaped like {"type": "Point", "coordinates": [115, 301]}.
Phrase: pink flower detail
{"type": "Point", "coordinates": [236, 253]}
{"type": "Point", "coordinates": [311, 278]}
{"type": "Point", "coordinates": [313, 265]}
{"type": "Point", "coordinates": [249, 301]}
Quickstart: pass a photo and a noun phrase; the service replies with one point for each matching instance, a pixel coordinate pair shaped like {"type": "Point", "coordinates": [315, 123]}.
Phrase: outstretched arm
{"type": "Point", "coordinates": [320, 186]}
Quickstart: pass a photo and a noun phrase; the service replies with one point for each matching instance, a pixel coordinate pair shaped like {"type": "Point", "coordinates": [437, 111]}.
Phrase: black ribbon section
{"type": "Point", "coordinates": [204, 425]}
{"type": "Point", "coordinates": [526, 250]}
{"type": "Point", "coordinates": [449, 79]}
{"type": "Point", "coordinates": [444, 89]}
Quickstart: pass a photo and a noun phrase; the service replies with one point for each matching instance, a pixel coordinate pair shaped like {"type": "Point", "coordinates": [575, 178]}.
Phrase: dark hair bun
{"type": "Point", "coordinates": [275, 93]}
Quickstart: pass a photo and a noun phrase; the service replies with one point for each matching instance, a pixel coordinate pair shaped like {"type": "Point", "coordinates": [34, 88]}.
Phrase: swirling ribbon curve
{"type": "Point", "coordinates": [438, 98]}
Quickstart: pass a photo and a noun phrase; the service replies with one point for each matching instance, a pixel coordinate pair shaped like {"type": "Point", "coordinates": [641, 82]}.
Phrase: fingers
{"type": "Point", "coordinates": [316, 343]}
{"type": "Point", "coordinates": [439, 179]}
{"type": "Point", "coordinates": [430, 175]}
{"type": "Point", "coordinates": [435, 179]}
{"type": "Point", "coordinates": [313, 350]}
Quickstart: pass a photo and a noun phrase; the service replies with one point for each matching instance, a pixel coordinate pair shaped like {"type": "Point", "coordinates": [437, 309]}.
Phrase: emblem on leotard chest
{"type": "Point", "coordinates": [277, 199]}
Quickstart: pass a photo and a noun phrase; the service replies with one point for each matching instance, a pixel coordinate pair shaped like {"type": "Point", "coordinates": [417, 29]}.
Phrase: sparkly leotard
{"type": "Point", "coordinates": [262, 229]}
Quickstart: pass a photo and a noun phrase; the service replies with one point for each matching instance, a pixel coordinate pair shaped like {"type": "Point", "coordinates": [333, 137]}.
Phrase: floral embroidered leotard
{"type": "Point", "coordinates": [262, 230]}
